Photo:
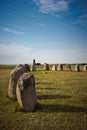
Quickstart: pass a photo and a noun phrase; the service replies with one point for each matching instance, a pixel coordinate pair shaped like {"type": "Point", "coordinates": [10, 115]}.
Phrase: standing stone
{"type": "Point", "coordinates": [85, 67]}
{"type": "Point", "coordinates": [77, 68]}
{"type": "Point", "coordinates": [27, 67]}
{"type": "Point", "coordinates": [68, 67]}
{"type": "Point", "coordinates": [60, 67]}
{"type": "Point", "coordinates": [54, 68]}
{"type": "Point", "coordinates": [46, 66]}
{"type": "Point", "coordinates": [26, 93]}
{"type": "Point", "coordinates": [33, 66]}
{"type": "Point", "coordinates": [15, 74]}
{"type": "Point", "coordinates": [19, 65]}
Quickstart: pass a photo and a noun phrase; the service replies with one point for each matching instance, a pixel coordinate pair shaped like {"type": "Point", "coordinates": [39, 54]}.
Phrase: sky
{"type": "Point", "coordinates": [49, 31]}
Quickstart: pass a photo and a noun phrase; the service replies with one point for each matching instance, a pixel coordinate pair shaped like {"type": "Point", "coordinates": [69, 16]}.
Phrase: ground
{"type": "Point", "coordinates": [61, 97]}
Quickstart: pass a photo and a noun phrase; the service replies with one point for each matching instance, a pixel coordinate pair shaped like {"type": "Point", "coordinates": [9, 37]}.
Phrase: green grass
{"type": "Point", "coordinates": [62, 99]}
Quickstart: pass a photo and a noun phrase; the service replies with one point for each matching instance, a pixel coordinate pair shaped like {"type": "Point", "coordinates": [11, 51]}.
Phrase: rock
{"type": "Point", "coordinates": [46, 66]}
{"type": "Point", "coordinates": [60, 67]}
{"type": "Point", "coordinates": [77, 68]}
{"type": "Point", "coordinates": [68, 67]}
{"type": "Point", "coordinates": [15, 74]}
{"type": "Point", "coordinates": [54, 68]}
{"type": "Point", "coordinates": [85, 67]}
{"type": "Point", "coordinates": [26, 67]}
{"type": "Point", "coordinates": [33, 66]}
{"type": "Point", "coordinates": [26, 93]}
{"type": "Point", "coordinates": [19, 65]}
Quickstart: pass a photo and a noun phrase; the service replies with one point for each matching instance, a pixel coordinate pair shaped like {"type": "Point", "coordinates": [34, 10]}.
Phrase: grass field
{"type": "Point", "coordinates": [62, 99]}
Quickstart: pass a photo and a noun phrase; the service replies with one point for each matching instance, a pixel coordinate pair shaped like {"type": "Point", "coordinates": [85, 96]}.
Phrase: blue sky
{"type": "Point", "coordinates": [52, 31]}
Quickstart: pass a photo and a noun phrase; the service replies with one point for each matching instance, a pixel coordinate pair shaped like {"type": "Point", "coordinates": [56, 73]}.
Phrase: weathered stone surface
{"type": "Point", "coordinates": [60, 67]}
{"type": "Point", "coordinates": [15, 74]}
{"type": "Point", "coordinates": [26, 93]}
{"type": "Point", "coordinates": [85, 68]}
{"type": "Point", "coordinates": [46, 66]}
{"type": "Point", "coordinates": [26, 67]}
{"type": "Point", "coordinates": [54, 68]}
{"type": "Point", "coordinates": [68, 67]}
{"type": "Point", "coordinates": [33, 66]}
{"type": "Point", "coordinates": [77, 68]}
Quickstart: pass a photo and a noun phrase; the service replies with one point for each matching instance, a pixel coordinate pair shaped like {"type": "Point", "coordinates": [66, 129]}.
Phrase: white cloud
{"type": "Point", "coordinates": [81, 20]}
{"type": "Point", "coordinates": [9, 30]}
{"type": "Point", "coordinates": [14, 53]}
{"type": "Point", "coordinates": [62, 56]}
{"type": "Point", "coordinates": [17, 53]}
{"type": "Point", "coordinates": [49, 6]}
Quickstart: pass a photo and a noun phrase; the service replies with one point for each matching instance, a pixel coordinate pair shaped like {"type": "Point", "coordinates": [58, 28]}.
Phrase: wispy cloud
{"type": "Point", "coordinates": [49, 6]}
{"type": "Point", "coordinates": [17, 53]}
{"type": "Point", "coordinates": [61, 56]}
{"type": "Point", "coordinates": [81, 20]}
{"type": "Point", "coordinates": [9, 30]}
{"type": "Point", "coordinates": [14, 53]}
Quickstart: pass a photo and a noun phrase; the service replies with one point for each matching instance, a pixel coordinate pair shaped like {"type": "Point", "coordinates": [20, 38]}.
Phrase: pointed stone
{"type": "Point", "coordinates": [26, 93]}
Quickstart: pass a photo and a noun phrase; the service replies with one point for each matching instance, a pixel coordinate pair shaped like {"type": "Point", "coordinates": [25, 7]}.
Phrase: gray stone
{"type": "Point", "coordinates": [77, 68]}
{"type": "Point", "coordinates": [68, 67]}
{"type": "Point", "coordinates": [15, 74]}
{"type": "Point", "coordinates": [54, 68]}
{"type": "Point", "coordinates": [19, 65]}
{"type": "Point", "coordinates": [60, 67]}
{"type": "Point", "coordinates": [85, 68]}
{"type": "Point", "coordinates": [26, 93]}
{"type": "Point", "coordinates": [46, 66]}
{"type": "Point", "coordinates": [26, 67]}
{"type": "Point", "coordinates": [33, 66]}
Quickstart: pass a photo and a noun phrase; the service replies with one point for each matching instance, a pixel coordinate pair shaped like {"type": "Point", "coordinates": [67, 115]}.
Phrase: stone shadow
{"type": "Point", "coordinates": [43, 83]}
{"type": "Point", "coordinates": [56, 96]}
{"type": "Point", "coordinates": [47, 88]}
{"type": "Point", "coordinates": [60, 108]}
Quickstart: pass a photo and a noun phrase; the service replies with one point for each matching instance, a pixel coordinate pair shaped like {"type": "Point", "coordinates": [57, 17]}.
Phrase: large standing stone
{"type": "Point", "coordinates": [15, 74]}
{"type": "Point", "coordinates": [85, 67]}
{"type": "Point", "coordinates": [68, 67]}
{"type": "Point", "coordinates": [25, 67]}
{"type": "Point", "coordinates": [54, 68]}
{"type": "Point", "coordinates": [26, 93]}
{"type": "Point", "coordinates": [33, 66]}
{"type": "Point", "coordinates": [77, 68]}
{"type": "Point", "coordinates": [46, 66]}
{"type": "Point", "coordinates": [60, 67]}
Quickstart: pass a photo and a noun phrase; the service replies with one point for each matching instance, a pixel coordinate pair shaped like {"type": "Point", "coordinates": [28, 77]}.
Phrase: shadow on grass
{"type": "Point", "coordinates": [47, 88]}
{"type": "Point", "coordinates": [43, 83]}
{"type": "Point", "coordinates": [60, 108]}
{"type": "Point", "coordinates": [42, 97]}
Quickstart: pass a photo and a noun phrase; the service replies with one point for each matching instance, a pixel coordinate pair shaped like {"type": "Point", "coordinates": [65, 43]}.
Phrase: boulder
{"type": "Point", "coordinates": [54, 68]}
{"type": "Point", "coordinates": [60, 67]}
{"type": "Point", "coordinates": [15, 74]}
{"type": "Point", "coordinates": [77, 68]}
{"type": "Point", "coordinates": [26, 94]}
{"type": "Point", "coordinates": [46, 66]}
